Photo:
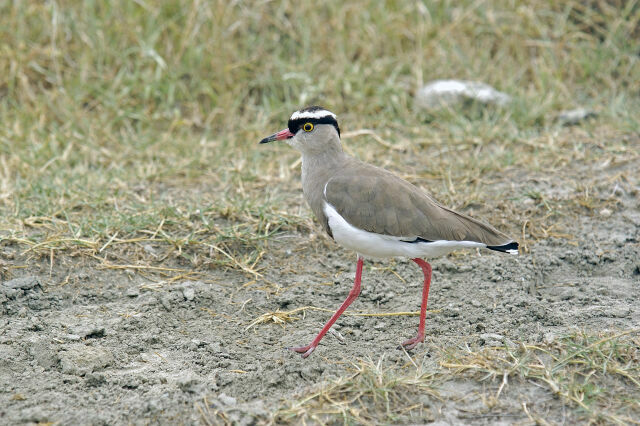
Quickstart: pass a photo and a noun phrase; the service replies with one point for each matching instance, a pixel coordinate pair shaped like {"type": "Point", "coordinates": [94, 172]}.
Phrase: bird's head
{"type": "Point", "coordinates": [310, 129]}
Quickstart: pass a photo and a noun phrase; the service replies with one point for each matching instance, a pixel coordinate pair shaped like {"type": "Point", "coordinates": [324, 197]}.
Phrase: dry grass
{"type": "Point", "coordinates": [596, 378]}
{"type": "Point", "coordinates": [373, 393]}
{"type": "Point", "coordinates": [598, 375]}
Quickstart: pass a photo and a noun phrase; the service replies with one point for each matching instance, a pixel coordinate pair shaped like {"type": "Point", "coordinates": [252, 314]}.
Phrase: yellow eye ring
{"type": "Point", "coordinates": [307, 127]}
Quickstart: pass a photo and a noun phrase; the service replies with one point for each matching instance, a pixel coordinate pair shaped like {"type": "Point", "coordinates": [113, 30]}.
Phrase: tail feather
{"type": "Point", "coordinates": [511, 248]}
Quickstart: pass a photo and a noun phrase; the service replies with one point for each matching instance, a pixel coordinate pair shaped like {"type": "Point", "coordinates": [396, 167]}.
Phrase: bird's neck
{"type": "Point", "coordinates": [317, 168]}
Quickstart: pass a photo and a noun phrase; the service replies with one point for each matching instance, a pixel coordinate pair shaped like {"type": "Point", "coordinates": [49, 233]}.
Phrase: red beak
{"type": "Point", "coordinates": [282, 134]}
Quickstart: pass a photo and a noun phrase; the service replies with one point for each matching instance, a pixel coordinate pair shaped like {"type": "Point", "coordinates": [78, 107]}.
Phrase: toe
{"type": "Point", "coordinates": [408, 345]}
{"type": "Point", "coordinates": [304, 350]}
{"type": "Point", "coordinates": [307, 353]}
{"type": "Point", "coordinates": [412, 343]}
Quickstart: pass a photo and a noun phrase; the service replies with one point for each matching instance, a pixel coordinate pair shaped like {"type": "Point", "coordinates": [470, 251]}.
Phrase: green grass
{"type": "Point", "coordinates": [127, 123]}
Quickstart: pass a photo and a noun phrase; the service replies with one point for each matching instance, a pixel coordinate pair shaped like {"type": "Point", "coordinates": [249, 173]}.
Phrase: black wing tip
{"type": "Point", "coordinates": [417, 240]}
{"type": "Point", "coordinates": [511, 248]}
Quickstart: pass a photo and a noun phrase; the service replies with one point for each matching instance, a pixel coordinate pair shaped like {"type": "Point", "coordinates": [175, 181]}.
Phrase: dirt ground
{"type": "Point", "coordinates": [111, 346]}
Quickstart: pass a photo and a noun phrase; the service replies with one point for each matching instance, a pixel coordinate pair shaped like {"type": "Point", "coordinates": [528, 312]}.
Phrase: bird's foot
{"type": "Point", "coordinates": [304, 350]}
{"type": "Point", "coordinates": [412, 343]}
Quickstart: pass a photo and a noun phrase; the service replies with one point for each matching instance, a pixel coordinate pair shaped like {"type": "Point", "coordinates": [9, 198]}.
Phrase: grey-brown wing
{"type": "Point", "coordinates": [378, 201]}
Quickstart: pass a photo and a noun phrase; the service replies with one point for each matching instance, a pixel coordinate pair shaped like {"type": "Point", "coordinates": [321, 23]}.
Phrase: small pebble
{"type": "Point", "coordinates": [226, 399]}
{"type": "Point", "coordinates": [166, 302]}
{"type": "Point", "coordinates": [132, 292]}
{"type": "Point", "coordinates": [72, 337]}
{"type": "Point", "coordinates": [189, 294]}
{"type": "Point", "coordinates": [492, 336]}
{"type": "Point", "coordinates": [380, 326]}
{"type": "Point", "coordinates": [549, 338]}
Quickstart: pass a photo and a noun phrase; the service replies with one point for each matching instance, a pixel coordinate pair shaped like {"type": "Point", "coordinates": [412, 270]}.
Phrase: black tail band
{"type": "Point", "coordinates": [511, 247]}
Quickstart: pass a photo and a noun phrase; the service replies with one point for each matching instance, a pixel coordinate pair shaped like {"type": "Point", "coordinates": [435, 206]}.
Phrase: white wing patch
{"type": "Point", "coordinates": [312, 114]}
{"type": "Point", "coordinates": [381, 246]}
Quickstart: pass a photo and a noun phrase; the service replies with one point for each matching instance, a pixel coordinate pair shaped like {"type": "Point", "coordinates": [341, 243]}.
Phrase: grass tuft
{"type": "Point", "coordinates": [596, 376]}
{"type": "Point", "coordinates": [372, 393]}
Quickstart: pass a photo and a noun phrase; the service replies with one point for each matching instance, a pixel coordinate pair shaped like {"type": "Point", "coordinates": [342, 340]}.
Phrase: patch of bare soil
{"type": "Point", "coordinates": [105, 346]}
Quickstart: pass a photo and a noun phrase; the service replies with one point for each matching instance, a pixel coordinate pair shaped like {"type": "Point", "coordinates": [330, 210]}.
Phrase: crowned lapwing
{"type": "Point", "coordinates": [374, 212]}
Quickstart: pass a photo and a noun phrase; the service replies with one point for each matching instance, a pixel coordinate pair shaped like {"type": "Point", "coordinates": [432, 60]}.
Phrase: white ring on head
{"type": "Point", "coordinates": [321, 113]}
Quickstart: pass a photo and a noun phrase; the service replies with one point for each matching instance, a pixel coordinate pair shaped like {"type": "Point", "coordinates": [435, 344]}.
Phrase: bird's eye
{"type": "Point", "coordinates": [307, 127]}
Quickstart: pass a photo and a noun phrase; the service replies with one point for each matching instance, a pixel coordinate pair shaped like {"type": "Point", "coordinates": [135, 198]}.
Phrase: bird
{"type": "Point", "coordinates": [375, 213]}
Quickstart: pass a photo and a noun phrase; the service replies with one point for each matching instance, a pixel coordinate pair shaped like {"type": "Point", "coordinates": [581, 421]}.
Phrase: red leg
{"type": "Point", "coordinates": [426, 270]}
{"type": "Point", "coordinates": [353, 294]}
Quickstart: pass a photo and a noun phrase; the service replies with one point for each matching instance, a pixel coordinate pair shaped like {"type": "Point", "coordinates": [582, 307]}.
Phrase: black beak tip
{"type": "Point", "coordinates": [269, 139]}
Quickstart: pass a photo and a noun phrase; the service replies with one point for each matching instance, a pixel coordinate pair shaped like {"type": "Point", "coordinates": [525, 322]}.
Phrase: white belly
{"type": "Point", "coordinates": [371, 244]}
